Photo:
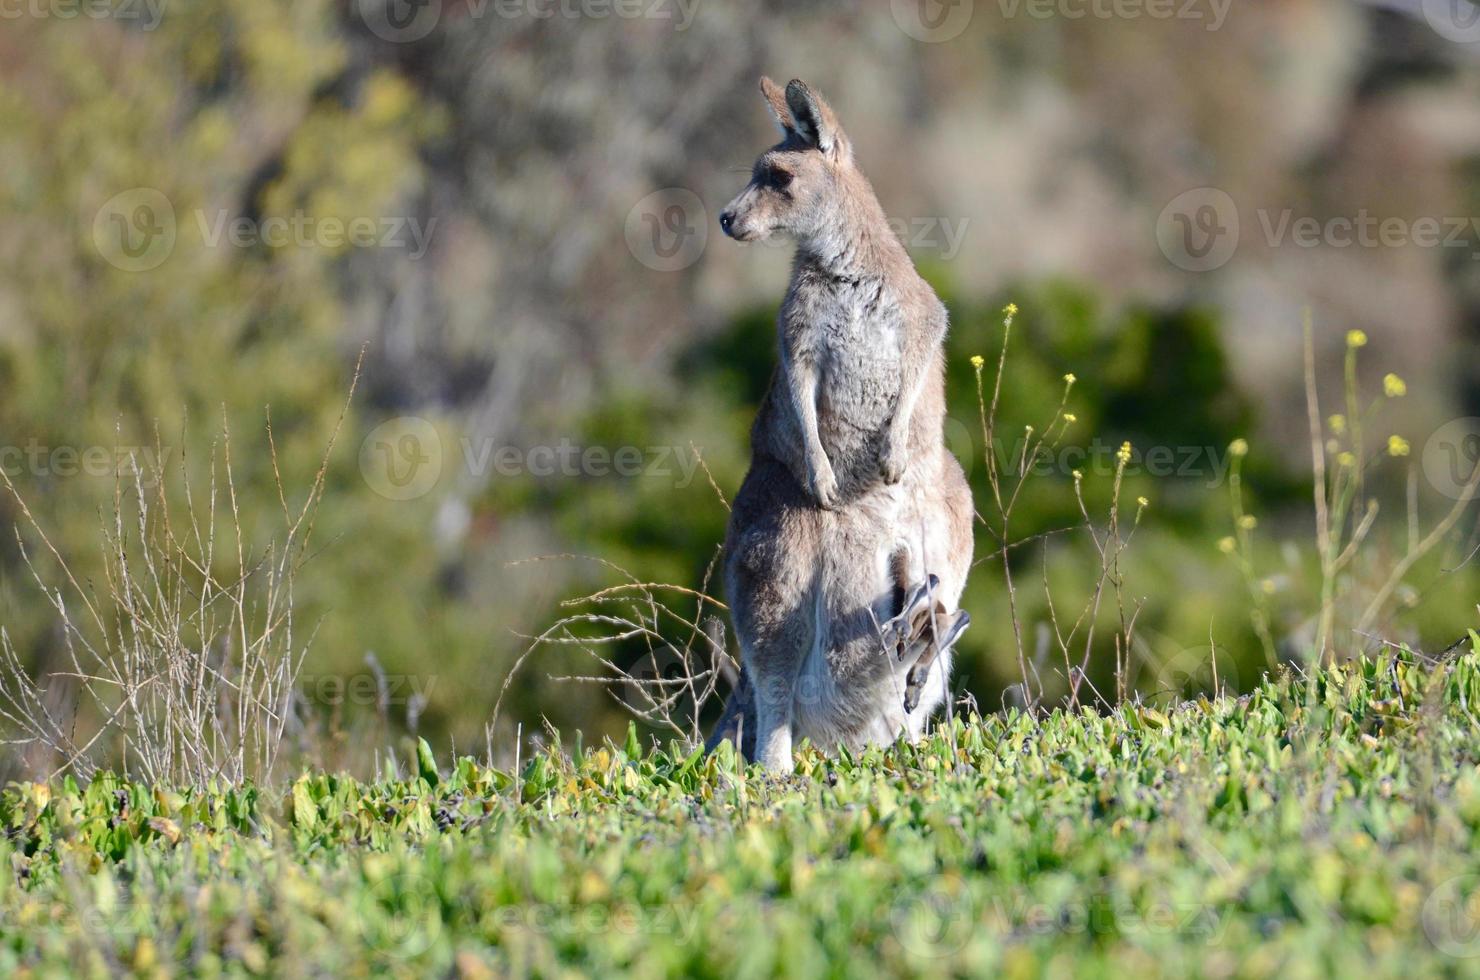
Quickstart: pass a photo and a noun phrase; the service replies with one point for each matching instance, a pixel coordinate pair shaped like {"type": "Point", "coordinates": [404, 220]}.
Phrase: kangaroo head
{"type": "Point", "coordinates": [799, 187]}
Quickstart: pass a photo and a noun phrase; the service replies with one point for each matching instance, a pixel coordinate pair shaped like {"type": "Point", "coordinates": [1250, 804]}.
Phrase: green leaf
{"type": "Point", "coordinates": [426, 763]}
{"type": "Point", "coordinates": [305, 811]}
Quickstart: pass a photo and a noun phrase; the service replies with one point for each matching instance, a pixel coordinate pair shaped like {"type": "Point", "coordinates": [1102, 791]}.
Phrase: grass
{"type": "Point", "coordinates": [1319, 826]}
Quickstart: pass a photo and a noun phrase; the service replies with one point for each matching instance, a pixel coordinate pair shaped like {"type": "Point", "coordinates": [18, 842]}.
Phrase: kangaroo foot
{"type": "Point", "coordinates": [926, 646]}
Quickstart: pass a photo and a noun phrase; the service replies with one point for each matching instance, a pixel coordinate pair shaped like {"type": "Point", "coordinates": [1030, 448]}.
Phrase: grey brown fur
{"type": "Point", "coordinates": [850, 539]}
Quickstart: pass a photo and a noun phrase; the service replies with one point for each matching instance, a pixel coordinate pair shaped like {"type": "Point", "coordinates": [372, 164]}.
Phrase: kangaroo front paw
{"type": "Point", "coordinates": [824, 484]}
{"type": "Point", "coordinates": [893, 459]}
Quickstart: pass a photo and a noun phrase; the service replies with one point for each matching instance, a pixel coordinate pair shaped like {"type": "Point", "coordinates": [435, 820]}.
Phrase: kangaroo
{"type": "Point", "coordinates": [850, 538]}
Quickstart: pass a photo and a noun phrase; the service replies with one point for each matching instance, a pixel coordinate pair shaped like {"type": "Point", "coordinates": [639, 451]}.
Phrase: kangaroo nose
{"type": "Point", "coordinates": [726, 220]}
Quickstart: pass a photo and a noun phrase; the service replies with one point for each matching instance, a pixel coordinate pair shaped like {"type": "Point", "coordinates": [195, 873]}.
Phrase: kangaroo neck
{"type": "Point", "coordinates": [857, 245]}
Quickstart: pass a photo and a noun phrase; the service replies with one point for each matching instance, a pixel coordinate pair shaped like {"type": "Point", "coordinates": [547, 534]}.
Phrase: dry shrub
{"type": "Point", "coordinates": [183, 667]}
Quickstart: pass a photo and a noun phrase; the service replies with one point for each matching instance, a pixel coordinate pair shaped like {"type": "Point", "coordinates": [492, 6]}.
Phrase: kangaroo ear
{"type": "Point", "coordinates": [776, 99]}
{"type": "Point", "coordinates": [815, 121]}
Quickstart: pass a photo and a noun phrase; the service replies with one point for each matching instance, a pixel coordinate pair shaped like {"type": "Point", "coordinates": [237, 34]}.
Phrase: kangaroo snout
{"type": "Point", "coordinates": [735, 221]}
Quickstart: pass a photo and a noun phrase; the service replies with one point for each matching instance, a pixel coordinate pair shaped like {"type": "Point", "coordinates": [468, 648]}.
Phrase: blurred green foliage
{"type": "Point", "coordinates": [220, 110]}
{"type": "Point", "coordinates": [268, 110]}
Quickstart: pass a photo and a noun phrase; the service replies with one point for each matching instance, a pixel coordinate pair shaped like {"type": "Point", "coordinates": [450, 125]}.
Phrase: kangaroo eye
{"type": "Point", "coordinates": [780, 179]}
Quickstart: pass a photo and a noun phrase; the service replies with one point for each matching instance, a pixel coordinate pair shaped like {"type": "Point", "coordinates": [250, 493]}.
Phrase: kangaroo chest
{"type": "Point", "coordinates": [853, 334]}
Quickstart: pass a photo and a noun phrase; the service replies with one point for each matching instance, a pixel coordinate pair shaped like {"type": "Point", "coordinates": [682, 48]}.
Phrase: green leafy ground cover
{"type": "Point", "coordinates": [1310, 828]}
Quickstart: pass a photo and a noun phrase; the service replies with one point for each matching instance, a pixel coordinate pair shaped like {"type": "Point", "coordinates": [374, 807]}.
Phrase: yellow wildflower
{"type": "Point", "coordinates": [1394, 386]}
{"type": "Point", "coordinates": [977, 361]}
{"type": "Point", "coordinates": [1356, 338]}
{"type": "Point", "coordinates": [1228, 546]}
{"type": "Point", "coordinates": [1248, 522]}
{"type": "Point", "coordinates": [1239, 447]}
{"type": "Point", "coordinates": [1398, 446]}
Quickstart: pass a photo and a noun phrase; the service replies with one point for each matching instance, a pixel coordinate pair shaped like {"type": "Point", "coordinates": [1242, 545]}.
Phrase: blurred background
{"type": "Point", "coordinates": [210, 208]}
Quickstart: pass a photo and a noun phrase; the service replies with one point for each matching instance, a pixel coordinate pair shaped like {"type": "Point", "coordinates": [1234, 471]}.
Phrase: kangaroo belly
{"type": "Point", "coordinates": [859, 397]}
{"type": "Point", "coordinates": [847, 690]}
